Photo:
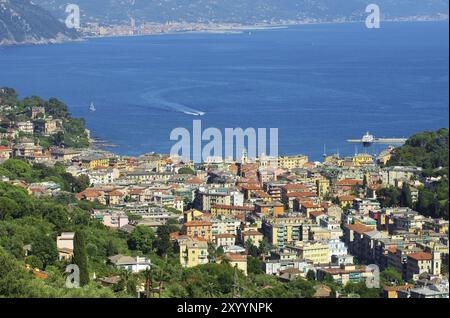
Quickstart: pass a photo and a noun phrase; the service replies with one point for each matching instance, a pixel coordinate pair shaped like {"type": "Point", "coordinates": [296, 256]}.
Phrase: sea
{"type": "Point", "coordinates": [318, 84]}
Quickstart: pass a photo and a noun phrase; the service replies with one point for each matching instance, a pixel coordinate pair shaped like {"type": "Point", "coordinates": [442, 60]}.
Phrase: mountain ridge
{"type": "Point", "coordinates": [23, 22]}
{"type": "Point", "coordinates": [242, 11]}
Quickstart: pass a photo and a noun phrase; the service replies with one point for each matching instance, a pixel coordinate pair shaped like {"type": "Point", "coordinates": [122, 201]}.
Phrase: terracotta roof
{"type": "Point", "coordinates": [347, 198]}
{"type": "Point", "coordinates": [236, 257]}
{"type": "Point", "coordinates": [310, 205]}
{"type": "Point", "coordinates": [398, 288]}
{"type": "Point", "coordinates": [359, 228]}
{"type": "Point", "coordinates": [251, 233]}
{"type": "Point", "coordinates": [421, 256]}
{"type": "Point", "coordinates": [232, 207]}
{"type": "Point", "coordinates": [262, 194]}
{"type": "Point", "coordinates": [225, 235]}
{"type": "Point", "coordinates": [316, 213]}
{"type": "Point", "coordinates": [348, 182]}
{"type": "Point", "coordinates": [115, 193]}
{"type": "Point", "coordinates": [250, 187]}
{"type": "Point", "coordinates": [197, 223]}
{"type": "Point", "coordinates": [194, 180]}
{"type": "Point", "coordinates": [392, 249]}
{"type": "Point", "coordinates": [135, 192]}
{"type": "Point", "coordinates": [88, 193]}
{"type": "Point", "coordinates": [174, 236]}
{"type": "Point", "coordinates": [301, 194]}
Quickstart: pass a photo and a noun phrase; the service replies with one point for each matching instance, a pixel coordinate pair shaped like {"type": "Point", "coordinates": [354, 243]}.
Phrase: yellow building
{"type": "Point", "coordinates": [237, 261]}
{"type": "Point", "coordinates": [94, 162]}
{"type": "Point", "coordinates": [362, 159]}
{"type": "Point", "coordinates": [193, 252]}
{"type": "Point", "coordinates": [323, 187]}
{"type": "Point", "coordinates": [316, 252]}
{"type": "Point", "coordinates": [191, 215]}
{"type": "Point", "coordinates": [292, 162]}
{"type": "Point", "coordinates": [281, 231]}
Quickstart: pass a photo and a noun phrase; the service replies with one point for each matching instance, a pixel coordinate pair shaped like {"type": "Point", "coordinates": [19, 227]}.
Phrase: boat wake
{"type": "Point", "coordinates": [156, 99]}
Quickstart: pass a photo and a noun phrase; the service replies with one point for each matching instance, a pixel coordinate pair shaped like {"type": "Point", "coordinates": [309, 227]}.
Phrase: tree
{"type": "Point", "coordinates": [162, 243]}
{"type": "Point", "coordinates": [80, 257]}
{"type": "Point", "coordinates": [310, 275]}
{"type": "Point", "coordinates": [186, 170]}
{"type": "Point", "coordinates": [82, 183]}
{"type": "Point", "coordinates": [44, 248]}
{"type": "Point", "coordinates": [405, 197]}
{"type": "Point", "coordinates": [8, 208]}
{"type": "Point", "coordinates": [141, 239]}
{"type": "Point", "coordinates": [254, 265]}
{"type": "Point", "coordinates": [392, 276]}
{"type": "Point", "coordinates": [389, 197]}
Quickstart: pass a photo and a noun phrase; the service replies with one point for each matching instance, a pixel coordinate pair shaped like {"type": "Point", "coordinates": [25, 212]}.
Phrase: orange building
{"type": "Point", "coordinates": [199, 229]}
{"type": "Point", "coordinates": [270, 209]}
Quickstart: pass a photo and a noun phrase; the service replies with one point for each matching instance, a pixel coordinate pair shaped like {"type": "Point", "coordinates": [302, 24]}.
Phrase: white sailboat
{"type": "Point", "coordinates": [92, 107]}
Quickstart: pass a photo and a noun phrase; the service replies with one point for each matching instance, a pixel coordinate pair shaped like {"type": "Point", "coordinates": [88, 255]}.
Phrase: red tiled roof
{"type": "Point", "coordinates": [301, 194]}
{"type": "Point", "coordinates": [316, 213]}
{"type": "Point", "coordinates": [225, 235]}
{"type": "Point", "coordinates": [347, 198]}
{"type": "Point", "coordinates": [359, 228]}
{"type": "Point", "coordinates": [348, 182]}
{"type": "Point", "coordinates": [251, 233]}
{"type": "Point", "coordinates": [232, 207]}
{"type": "Point", "coordinates": [421, 256]}
{"type": "Point", "coordinates": [250, 187]}
{"type": "Point", "coordinates": [310, 205]}
{"type": "Point", "coordinates": [236, 257]}
{"type": "Point", "coordinates": [197, 223]}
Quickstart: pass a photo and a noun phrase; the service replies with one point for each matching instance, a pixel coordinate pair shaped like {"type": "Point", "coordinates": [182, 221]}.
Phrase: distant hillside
{"type": "Point", "coordinates": [243, 11]}
{"type": "Point", "coordinates": [428, 150]}
{"type": "Point", "coordinates": [24, 22]}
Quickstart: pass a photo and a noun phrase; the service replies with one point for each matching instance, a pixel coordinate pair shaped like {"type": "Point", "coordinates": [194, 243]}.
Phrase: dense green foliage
{"type": "Point", "coordinates": [20, 170]}
{"type": "Point", "coordinates": [73, 132]}
{"type": "Point", "coordinates": [430, 151]}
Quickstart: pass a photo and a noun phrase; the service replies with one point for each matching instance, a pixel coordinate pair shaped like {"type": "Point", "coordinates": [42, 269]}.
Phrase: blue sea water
{"type": "Point", "coordinates": [319, 84]}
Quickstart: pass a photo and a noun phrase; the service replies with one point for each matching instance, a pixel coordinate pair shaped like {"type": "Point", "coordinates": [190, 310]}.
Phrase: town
{"type": "Point", "coordinates": [285, 217]}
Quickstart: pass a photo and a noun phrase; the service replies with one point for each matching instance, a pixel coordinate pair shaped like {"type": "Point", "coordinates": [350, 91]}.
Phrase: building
{"type": "Point", "coordinates": [26, 127]}
{"type": "Point", "coordinates": [282, 231]}
{"type": "Point", "coordinates": [92, 162]}
{"type": "Point", "coordinates": [199, 229]}
{"type": "Point", "coordinates": [193, 252]}
{"type": "Point", "coordinates": [131, 264]}
{"type": "Point", "coordinates": [229, 210]}
{"type": "Point", "coordinates": [5, 152]}
{"type": "Point", "coordinates": [225, 239]}
{"type": "Point", "coordinates": [345, 274]}
{"type": "Point", "coordinates": [273, 209]}
{"type": "Point", "coordinates": [422, 262]}
{"type": "Point", "coordinates": [292, 162]}
{"type": "Point", "coordinates": [252, 235]}
{"type": "Point", "coordinates": [238, 261]}
{"type": "Point", "coordinates": [64, 244]}
{"type": "Point", "coordinates": [316, 252]}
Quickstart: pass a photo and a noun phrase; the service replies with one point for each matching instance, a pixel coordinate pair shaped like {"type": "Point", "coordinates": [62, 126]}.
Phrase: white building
{"type": "Point", "coordinates": [129, 263]}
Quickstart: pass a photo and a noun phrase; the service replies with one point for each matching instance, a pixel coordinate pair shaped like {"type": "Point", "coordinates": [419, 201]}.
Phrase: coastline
{"type": "Point", "coordinates": [265, 27]}
{"type": "Point", "coordinates": [230, 28]}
